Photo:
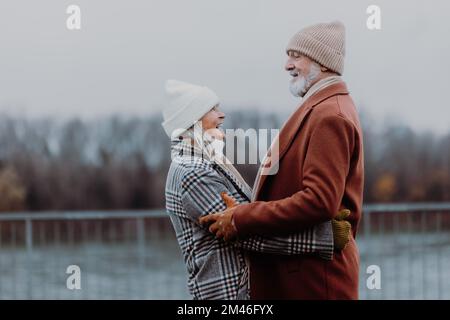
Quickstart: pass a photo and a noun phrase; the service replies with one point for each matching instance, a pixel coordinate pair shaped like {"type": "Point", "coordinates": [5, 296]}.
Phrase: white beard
{"type": "Point", "coordinates": [301, 84]}
{"type": "Point", "coordinates": [298, 86]}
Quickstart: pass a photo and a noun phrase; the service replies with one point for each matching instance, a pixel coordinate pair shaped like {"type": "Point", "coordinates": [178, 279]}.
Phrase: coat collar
{"type": "Point", "coordinates": [294, 123]}
{"type": "Point", "coordinates": [183, 148]}
{"type": "Point", "coordinates": [232, 178]}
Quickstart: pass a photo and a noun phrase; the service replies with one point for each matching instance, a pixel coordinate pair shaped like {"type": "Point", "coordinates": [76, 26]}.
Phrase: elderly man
{"type": "Point", "coordinates": [320, 170]}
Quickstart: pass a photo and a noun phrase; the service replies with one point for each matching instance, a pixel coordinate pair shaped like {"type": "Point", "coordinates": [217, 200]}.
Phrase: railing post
{"type": "Point", "coordinates": [422, 253]}
{"type": "Point", "coordinates": [439, 255]}
{"type": "Point", "coordinates": [141, 236]}
{"type": "Point", "coordinates": [29, 235]}
{"type": "Point", "coordinates": [397, 233]}
{"type": "Point", "coordinates": [381, 253]}
{"type": "Point", "coordinates": [367, 224]}
{"type": "Point", "coordinates": [141, 252]}
{"type": "Point", "coordinates": [29, 245]}
{"type": "Point", "coordinates": [410, 234]}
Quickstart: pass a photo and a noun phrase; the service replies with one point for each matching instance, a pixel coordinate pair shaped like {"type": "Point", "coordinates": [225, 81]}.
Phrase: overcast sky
{"type": "Point", "coordinates": [125, 50]}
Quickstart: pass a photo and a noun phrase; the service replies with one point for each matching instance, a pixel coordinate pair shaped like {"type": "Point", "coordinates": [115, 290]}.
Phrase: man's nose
{"type": "Point", "coordinates": [289, 66]}
{"type": "Point", "coordinates": [222, 115]}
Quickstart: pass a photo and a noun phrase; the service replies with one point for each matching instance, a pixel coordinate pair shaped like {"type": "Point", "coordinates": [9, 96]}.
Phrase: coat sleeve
{"type": "Point", "coordinates": [325, 169]}
{"type": "Point", "coordinates": [317, 240]}
{"type": "Point", "coordinates": [201, 188]}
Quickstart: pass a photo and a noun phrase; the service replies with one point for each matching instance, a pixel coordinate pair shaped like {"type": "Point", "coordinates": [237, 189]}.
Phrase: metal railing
{"type": "Point", "coordinates": [121, 255]}
{"type": "Point", "coordinates": [134, 254]}
{"type": "Point", "coordinates": [410, 243]}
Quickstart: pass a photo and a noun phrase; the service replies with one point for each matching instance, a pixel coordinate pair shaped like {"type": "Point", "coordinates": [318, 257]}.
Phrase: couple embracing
{"type": "Point", "coordinates": [291, 235]}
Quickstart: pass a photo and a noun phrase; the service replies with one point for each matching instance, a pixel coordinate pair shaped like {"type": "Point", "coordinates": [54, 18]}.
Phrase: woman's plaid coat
{"type": "Point", "coordinates": [216, 269]}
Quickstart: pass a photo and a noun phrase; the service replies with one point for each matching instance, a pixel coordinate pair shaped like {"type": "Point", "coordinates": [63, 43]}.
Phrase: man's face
{"type": "Point", "coordinates": [303, 71]}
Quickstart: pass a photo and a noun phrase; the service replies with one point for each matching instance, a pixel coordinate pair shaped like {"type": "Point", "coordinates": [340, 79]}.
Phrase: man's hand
{"type": "Point", "coordinates": [221, 224]}
{"type": "Point", "coordinates": [341, 229]}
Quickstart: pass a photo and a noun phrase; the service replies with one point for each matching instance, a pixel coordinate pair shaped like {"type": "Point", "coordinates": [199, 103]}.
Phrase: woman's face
{"type": "Point", "coordinates": [212, 121]}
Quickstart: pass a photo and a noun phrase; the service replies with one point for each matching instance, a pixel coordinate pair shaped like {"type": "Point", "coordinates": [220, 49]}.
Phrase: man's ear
{"type": "Point", "coordinates": [323, 69]}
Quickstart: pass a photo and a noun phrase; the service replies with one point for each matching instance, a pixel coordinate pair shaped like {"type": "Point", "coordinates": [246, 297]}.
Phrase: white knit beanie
{"type": "Point", "coordinates": [323, 43]}
{"type": "Point", "coordinates": [187, 103]}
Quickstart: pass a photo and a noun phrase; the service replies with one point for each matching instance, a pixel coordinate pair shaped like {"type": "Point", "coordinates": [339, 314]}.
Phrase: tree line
{"type": "Point", "coordinates": [122, 163]}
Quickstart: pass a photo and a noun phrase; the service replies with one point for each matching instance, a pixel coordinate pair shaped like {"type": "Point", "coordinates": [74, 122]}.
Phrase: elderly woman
{"type": "Point", "coordinates": [202, 181]}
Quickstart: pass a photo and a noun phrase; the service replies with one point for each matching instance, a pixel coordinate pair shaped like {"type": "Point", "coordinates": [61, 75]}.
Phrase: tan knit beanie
{"type": "Point", "coordinates": [323, 42]}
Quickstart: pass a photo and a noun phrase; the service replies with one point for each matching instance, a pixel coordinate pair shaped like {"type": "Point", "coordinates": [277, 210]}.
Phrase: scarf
{"type": "Point", "coordinates": [195, 142]}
